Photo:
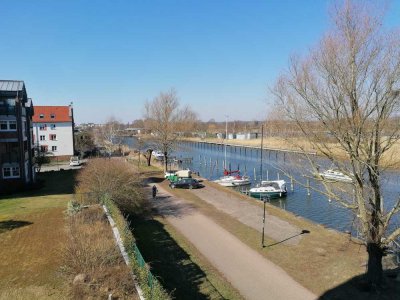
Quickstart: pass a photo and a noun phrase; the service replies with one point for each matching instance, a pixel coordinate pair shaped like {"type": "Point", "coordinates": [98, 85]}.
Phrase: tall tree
{"type": "Point", "coordinates": [349, 86]}
{"type": "Point", "coordinates": [167, 121]}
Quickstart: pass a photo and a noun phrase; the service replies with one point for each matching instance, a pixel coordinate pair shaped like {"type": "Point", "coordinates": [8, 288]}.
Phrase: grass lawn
{"type": "Point", "coordinates": [32, 233]}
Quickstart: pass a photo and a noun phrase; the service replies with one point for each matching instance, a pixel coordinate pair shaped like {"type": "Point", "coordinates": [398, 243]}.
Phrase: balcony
{"type": "Point", "coordinates": [7, 110]}
{"type": "Point", "coordinates": [10, 157]}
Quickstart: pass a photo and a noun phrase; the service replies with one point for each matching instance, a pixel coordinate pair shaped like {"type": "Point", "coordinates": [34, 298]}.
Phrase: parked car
{"type": "Point", "coordinates": [185, 183]}
{"type": "Point", "coordinates": [74, 161]}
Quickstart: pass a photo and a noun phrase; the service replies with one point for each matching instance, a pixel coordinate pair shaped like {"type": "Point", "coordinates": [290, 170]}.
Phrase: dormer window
{"type": "Point", "coordinates": [52, 116]}
{"type": "Point", "coordinates": [41, 116]}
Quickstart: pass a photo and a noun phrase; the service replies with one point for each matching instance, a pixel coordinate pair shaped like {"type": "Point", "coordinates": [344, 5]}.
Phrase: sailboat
{"type": "Point", "coordinates": [267, 188]}
{"type": "Point", "coordinates": [232, 178]}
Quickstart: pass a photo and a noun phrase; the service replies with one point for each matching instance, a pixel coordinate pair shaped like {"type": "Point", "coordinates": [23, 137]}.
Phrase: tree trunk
{"type": "Point", "coordinates": [148, 157]}
{"type": "Point", "coordinates": [375, 271]}
{"type": "Point", "coordinates": [166, 161]}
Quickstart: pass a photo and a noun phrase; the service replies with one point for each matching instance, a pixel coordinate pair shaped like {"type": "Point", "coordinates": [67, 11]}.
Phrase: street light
{"type": "Point", "coordinates": [265, 199]}
{"type": "Point", "coordinates": [139, 153]}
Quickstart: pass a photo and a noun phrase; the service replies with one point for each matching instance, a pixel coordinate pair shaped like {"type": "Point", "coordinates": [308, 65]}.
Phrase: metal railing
{"type": "Point", "coordinates": [142, 264]}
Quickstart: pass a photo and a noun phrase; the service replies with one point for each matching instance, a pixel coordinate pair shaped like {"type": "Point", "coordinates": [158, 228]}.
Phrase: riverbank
{"type": "Point", "coordinates": [323, 261]}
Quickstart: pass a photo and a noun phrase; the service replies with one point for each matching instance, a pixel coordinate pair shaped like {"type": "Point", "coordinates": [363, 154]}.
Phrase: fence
{"type": "Point", "coordinates": [142, 264]}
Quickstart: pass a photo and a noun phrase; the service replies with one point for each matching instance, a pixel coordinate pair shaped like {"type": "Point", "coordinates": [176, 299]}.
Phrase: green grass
{"type": "Point", "coordinates": [32, 234]}
{"type": "Point", "coordinates": [57, 189]}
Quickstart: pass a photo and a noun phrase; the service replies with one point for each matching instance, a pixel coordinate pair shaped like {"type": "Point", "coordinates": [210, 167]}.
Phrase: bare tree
{"type": "Point", "coordinates": [167, 121]}
{"type": "Point", "coordinates": [349, 88]}
{"type": "Point", "coordinates": [108, 135]}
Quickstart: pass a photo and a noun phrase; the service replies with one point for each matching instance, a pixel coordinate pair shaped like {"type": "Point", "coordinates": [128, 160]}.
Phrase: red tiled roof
{"type": "Point", "coordinates": [60, 113]}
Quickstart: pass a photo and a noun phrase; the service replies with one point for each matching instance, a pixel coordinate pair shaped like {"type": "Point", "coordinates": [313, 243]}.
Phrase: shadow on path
{"type": "Point", "coordinates": [170, 263]}
{"type": "Point", "coordinates": [12, 224]}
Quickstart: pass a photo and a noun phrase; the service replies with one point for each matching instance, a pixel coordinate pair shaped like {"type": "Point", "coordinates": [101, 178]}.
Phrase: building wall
{"type": "Point", "coordinates": [64, 137]}
{"type": "Point", "coordinates": [16, 166]}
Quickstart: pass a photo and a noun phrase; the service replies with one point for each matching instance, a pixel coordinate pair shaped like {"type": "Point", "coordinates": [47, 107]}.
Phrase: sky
{"type": "Point", "coordinates": [109, 57]}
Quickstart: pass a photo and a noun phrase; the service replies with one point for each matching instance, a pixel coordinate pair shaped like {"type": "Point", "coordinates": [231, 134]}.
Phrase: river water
{"type": "Point", "coordinates": [208, 160]}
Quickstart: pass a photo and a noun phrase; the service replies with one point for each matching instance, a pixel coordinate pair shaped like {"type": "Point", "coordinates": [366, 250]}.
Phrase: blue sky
{"type": "Point", "coordinates": [109, 57]}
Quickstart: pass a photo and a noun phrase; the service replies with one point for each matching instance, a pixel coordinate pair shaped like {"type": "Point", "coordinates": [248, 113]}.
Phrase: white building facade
{"type": "Point", "coordinates": [53, 130]}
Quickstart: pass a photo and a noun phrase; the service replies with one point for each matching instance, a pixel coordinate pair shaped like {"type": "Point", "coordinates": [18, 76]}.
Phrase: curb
{"type": "Point", "coordinates": [118, 240]}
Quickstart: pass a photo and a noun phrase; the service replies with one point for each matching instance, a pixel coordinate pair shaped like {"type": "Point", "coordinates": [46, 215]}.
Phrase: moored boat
{"type": "Point", "coordinates": [332, 175]}
{"type": "Point", "coordinates": [233, 178]}
{"type": "Point", "coordinates": [158, 155]}
{"type": "Point", "coordinates": [269, 188]}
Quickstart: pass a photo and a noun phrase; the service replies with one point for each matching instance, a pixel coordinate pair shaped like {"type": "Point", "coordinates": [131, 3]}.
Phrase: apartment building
{"type": "Point", "coordinates": [53, 130]}
{"type": "Point", "coordinates": [16, 147]}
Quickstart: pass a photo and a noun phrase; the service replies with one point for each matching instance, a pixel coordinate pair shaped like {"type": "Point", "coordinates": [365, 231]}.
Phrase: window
{"type": "Point", "coordinates": [6, 172]}
{"type": "Point", "coordinates": [43, 127]}
{"type": "Point", "coordinates": [15, 171]}
{"type": "Point", "coordinates": [41, 116]}
{"type": "Point", "coordinates": [53, 148]}
{"type": "Point", "coordinates": [53, 126]}
{"type": "Point", "coordinates": [12, 125]}
{"type": "Point", "coordinates": [43, 148]}
{"type": "Point", "coordinates": [8, 125]}
{"type": "Point", "coordinates": [42, 137]}
{"type": "Point", "coordinates": [11, 172]}
{"type": "Point", "coordinates": [53, 137]}
{"type": "Point", "coordinates": [52, 116]}
{"type": "Point", "coordinates": [3, 125]}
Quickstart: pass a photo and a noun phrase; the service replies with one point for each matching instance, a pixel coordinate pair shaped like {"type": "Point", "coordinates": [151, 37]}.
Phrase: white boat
{"type": "Point", "coordinates": [233, 180]}
{"type": "Point", "coordinates": [269, 188]}
{"type": "Point", "coordinates": [158, 155]}
{"type": "Point", "coordinates": [333, 175]}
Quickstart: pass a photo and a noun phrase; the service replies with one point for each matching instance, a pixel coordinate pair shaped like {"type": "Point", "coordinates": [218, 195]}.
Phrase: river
{"type": "Point", "coordinates": [208, 160]}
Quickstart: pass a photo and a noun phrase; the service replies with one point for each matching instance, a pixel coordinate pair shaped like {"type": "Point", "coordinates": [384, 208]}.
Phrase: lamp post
{"type": "Point", "coordinates": [226, 137]}
{"type": "Point", "coordinates": [266, 198]}
{"type": "Point", "coordinates": [139, 154]}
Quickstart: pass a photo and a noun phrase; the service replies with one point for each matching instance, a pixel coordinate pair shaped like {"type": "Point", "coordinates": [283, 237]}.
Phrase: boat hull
{"type": "Point", "coordinates": [262, 195]}
{"type": "Point", "coordinates": [232, 183]}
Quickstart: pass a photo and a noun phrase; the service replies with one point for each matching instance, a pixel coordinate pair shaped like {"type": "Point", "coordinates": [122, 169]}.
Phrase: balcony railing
{"type": "Point", "coordinates": [7, 110]}
{"type": "Point", "coordinates": [9, 157]}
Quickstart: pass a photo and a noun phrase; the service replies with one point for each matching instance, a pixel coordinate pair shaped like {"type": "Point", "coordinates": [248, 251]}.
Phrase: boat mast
{"type": "Point", "coordinates": [226, 136]}
{"type": "Point", "coordinates": [261, 151]}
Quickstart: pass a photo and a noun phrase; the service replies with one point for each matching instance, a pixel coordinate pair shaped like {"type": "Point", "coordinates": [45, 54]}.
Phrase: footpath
{"type": "Point", "coordinates": [250, 214]}
{"type": "Point", "coordinates": [254, 276]}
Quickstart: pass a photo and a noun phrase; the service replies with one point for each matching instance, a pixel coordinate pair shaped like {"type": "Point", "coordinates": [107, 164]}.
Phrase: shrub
{"type": "Point", "coordinates": [115, 179]}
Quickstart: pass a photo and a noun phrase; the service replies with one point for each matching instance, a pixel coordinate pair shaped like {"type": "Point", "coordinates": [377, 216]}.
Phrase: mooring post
{"type": "Point", "coordinates": [308, 187]}
{"type": "Point", "coordinates": [255, 175]}
{"type": "Point", "coordinates": [267, 174]}
{"type": "Point", "coordinates": [291, 183]}
{"type": "Point", "coordinates": [277, 174]}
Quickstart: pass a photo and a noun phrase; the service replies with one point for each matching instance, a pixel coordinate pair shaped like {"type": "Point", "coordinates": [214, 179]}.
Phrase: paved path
{"type": "Point", "coordinates": [251, 274]}
{"type": "Point", "coordinates": [250, 214]}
